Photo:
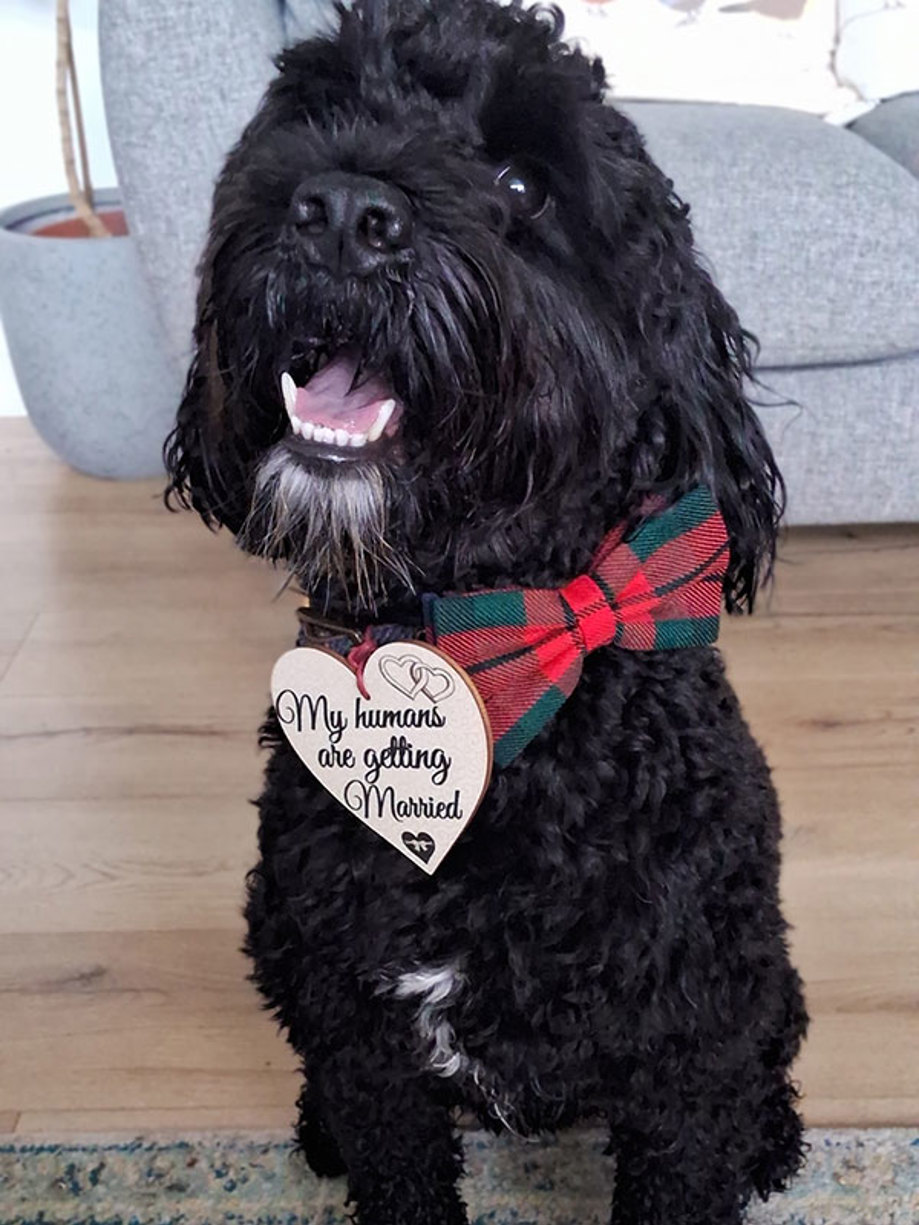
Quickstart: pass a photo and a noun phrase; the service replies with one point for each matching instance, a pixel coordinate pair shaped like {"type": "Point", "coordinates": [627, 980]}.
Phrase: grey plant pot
{"type": "Point", "coordinates": [85, 342]}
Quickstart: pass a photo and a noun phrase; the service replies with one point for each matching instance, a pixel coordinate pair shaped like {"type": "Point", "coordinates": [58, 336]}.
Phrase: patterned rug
{"type": "Point", "coordinates": [852, 1178]}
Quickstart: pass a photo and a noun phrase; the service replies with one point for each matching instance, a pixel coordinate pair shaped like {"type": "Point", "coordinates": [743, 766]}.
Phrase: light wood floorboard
{"type": "Point", "coordinates": [134, 656]}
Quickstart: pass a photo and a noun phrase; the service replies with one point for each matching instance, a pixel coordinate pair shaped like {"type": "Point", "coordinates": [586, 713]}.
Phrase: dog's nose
{"type": "Point", "coordinates": [350, 224]}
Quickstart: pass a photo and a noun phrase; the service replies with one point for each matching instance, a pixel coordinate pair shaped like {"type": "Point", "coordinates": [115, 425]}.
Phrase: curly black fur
{"type": "Point", "coordinates": [605, 939]}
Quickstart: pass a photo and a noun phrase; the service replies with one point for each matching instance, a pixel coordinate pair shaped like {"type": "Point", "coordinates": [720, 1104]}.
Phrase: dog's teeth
{"type": "Point", "coordinates": [296, 424]}
{"type": "Point", "coordinates": [357, 440]}
{"type": "Point", "coordinates": [307, 429]}
{"type": "Point", "coordinates": [322, 433]}
{"type": "Point", "coordinates": [386, 411]}
{"type": "Point", "coordinates": [289, 392]}
{"type": "Point", "coordinates": [341, 438]}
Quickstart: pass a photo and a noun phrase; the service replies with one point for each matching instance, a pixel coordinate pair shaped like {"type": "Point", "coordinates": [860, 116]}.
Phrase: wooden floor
{"type": "Point", "coordinates": [135, 650]}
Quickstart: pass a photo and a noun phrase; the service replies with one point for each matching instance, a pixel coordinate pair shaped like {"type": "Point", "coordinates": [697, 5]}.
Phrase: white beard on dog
{"type": "Point", "coordinates": [328, 524]}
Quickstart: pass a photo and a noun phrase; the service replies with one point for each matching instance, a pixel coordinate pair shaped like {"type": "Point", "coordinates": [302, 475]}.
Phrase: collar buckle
{"type": "Point", "coordinates": [321, 629]}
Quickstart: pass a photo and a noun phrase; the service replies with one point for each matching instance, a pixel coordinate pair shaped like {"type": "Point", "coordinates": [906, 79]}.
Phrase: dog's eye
{"type": "Point", "coordinates": [527, 195]}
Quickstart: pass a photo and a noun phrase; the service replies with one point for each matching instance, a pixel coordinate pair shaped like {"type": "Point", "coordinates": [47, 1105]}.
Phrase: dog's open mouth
{"type": "Point", "coordinates": [335, 416]}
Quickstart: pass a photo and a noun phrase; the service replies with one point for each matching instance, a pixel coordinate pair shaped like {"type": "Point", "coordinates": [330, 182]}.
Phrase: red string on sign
{"type": "Point", "coordinates": [357, 657]}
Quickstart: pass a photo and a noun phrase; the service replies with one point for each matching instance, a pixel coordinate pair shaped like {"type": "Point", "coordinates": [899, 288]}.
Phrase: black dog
{"type": "Point", "coordinates": [438, 247]}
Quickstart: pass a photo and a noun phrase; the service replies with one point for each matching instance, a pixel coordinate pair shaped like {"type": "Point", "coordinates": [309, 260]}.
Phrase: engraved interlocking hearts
{"type": "Point", "coordinates": [411, 676]}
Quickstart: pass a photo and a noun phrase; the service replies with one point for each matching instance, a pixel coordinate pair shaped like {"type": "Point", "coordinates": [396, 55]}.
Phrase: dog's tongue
{"type": "Point", "coordinates": [330, 398]}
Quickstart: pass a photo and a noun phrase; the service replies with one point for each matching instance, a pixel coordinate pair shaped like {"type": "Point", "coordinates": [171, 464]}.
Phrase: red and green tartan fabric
{"type": "Point", "coordinates": [524, 649]}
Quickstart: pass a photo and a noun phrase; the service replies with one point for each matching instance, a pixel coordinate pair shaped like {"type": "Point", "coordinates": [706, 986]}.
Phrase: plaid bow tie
{"type": "Point", "coordinates": [524, 650]}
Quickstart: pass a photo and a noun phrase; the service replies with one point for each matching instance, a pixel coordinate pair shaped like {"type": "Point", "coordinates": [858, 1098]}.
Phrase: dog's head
{"type": "Point", "coordinates": [451, 327]}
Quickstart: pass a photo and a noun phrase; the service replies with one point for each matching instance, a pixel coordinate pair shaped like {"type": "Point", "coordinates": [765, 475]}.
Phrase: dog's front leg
{"type": "Point", "coordinates": [398, 1143]}
{"type": "Point", "coordinates": [314, 1138]}
{"type": "Point", "coordinates": [712, 1141]}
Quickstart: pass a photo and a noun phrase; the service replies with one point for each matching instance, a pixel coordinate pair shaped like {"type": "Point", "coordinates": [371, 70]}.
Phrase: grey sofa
{"type": "Point", "coordinates": [812, 231]}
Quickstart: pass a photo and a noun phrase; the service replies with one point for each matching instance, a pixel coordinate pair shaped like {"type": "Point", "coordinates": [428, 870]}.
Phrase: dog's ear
{"type": "Point", "coordinates": [206, 472]}
{"type": "Point", "coordinates": [696, 362]}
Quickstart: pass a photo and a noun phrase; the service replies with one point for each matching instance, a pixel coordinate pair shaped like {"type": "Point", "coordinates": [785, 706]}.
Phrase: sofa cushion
{"type": "Point", "coordinates": [846, 439]}
{"type": "Point", "coordinates": [894, 128]}
{"type": "Point", "coordinates": [179, 85]}
{"type": "Point", "coordinates": [305, 18]}
{"type": "Point", "coordinates": [811, 232]}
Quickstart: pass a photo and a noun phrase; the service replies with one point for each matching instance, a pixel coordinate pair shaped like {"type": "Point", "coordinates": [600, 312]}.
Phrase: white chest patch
{"type": "Point", "coordinates": [436, 989]}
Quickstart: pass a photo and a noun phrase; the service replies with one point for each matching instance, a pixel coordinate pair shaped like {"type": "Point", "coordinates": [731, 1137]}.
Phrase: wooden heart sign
{"type": "Point", "coordinates": [411, 759]}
